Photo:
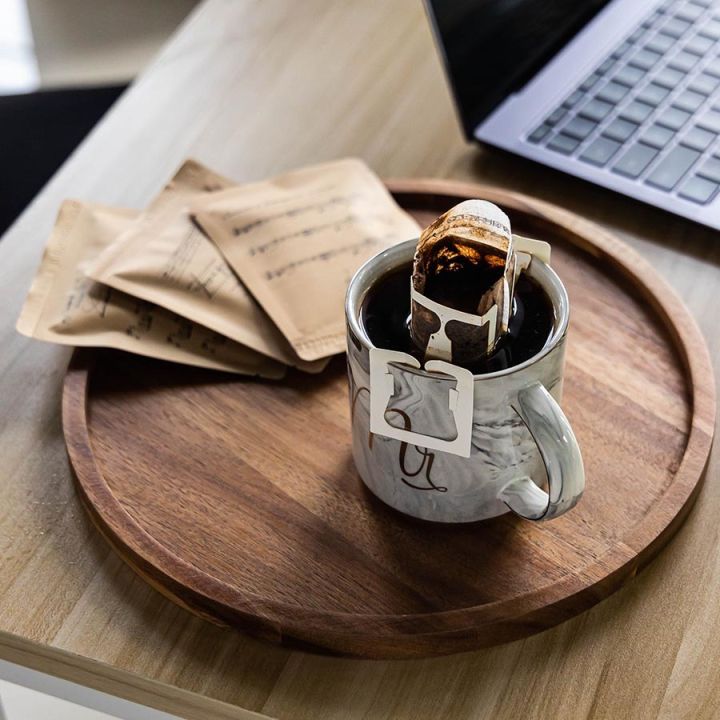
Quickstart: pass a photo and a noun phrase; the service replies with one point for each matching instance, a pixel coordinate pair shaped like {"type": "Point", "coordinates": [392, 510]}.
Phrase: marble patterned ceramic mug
{"type": "Point", "coordinates": [484, 444]}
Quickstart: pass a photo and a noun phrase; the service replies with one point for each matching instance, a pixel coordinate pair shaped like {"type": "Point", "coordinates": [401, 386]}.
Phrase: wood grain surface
{"type": "Point", "coordinates": [239, 498]}
{"type": "Point", "coordinates": [251, 89]}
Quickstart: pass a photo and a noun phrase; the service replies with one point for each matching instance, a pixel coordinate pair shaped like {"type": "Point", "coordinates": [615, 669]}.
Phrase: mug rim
{"type": "Point", "coordinates": [387, 260]}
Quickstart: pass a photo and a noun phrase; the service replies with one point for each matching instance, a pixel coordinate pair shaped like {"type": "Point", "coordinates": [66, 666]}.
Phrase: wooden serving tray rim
{"type": "Point", "coordinates": [621, 558]}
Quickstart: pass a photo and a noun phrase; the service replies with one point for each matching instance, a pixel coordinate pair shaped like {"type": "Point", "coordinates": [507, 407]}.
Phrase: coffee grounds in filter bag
{"type": "Point", "coordinates": [469, 301]}
{"type": "Point", "coordinates": [462, 283]}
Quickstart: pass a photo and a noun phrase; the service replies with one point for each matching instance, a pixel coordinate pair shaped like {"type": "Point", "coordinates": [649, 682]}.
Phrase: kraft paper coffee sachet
{"type": "Point", "coordinates": [66, 307]}
{"type": "Point", "coordinates": [166, 259]}
{"type": "Point", "coordinates": [296, 241]}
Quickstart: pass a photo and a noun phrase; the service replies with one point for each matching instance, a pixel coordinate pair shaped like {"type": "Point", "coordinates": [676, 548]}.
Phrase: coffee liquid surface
{"type": "Point", "coordinates": [385, 315]}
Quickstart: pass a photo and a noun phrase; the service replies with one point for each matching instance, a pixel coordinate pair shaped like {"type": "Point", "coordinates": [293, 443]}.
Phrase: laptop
{"type": "Point", "coordinates": [623, 93]}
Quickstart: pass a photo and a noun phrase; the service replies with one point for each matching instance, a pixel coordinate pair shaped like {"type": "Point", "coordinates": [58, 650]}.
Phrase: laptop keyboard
{"type": "Point", "coordinates": [650, 111]}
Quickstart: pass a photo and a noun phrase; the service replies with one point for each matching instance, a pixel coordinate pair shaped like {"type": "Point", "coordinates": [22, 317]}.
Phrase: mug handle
{"type": "Point", "coordinates": [560, 453]}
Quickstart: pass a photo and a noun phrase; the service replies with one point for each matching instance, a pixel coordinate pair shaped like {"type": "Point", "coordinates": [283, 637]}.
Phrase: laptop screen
{"type": "Point", "coordinates": [493, 47]}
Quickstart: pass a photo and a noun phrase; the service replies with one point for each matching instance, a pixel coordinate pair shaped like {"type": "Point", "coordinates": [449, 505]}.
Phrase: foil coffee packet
{"type": "Point", "coordinates": [164, 258]}
{"type": "Point", "coordinates": [64, 306]}
{"type": "Point", "coordinates": [296, 240]}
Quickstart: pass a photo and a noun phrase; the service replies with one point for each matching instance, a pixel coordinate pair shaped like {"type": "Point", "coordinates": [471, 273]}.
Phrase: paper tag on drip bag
{"type": "Point", "coordinates": [296, 241]}
{"type": "Point", "coordinates": [166, 259]}
{"type": "Point", "coordinates": [66, 307]}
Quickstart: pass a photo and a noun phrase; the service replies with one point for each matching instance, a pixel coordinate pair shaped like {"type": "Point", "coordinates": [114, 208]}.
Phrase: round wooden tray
{"type": "Point", "coordinates": [239, 500]}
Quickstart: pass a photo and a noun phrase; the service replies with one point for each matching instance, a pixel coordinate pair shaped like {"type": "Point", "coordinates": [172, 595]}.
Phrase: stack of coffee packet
{"type": "Point", "coordinates": [244, 278]}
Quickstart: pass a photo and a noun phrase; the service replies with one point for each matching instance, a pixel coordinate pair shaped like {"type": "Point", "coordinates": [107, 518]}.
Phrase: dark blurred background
{"type": "Point", "coordinates": [62, 65]}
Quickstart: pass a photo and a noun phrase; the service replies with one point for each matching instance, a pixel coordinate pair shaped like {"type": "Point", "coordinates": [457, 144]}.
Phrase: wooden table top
{"type": "Point", "coordinates": [252, 89]}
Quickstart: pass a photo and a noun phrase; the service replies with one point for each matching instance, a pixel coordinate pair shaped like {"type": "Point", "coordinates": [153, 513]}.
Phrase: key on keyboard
{"type": "Point", "coordinates": [684, 61]}
{"type": "Point", "coordinates": [690, 12]}
{"type": "Point", "coordinates": [596, 110]}
{"type": "Point", "coordinates": [710, 121]}
{"type": "Point", "coordinates": [613, 92]}
{"type": "Point", "coordinates": [710, 169]}
{"type": "Point", "coordinates": [606, 66]}
{"type": "Point", "coordinates": [637, 111]}
{"type": "Point", "coordinates": [673, 118]}
{"type": "Point", "coordinates": [589, 82]}
{"type": "Point", "coordinates": [698, 190]}
{"type": "Point", "coordinates": [704, 83]}
{"type": "Point", "coordinates": [660, 43]}
{"type": "Point", "coordinates": [629, 75]}
{"type": "Point", "coordinates": [689, 100]}
{"type": "Point", "coordinates": [620, 129]}
{"type": "Point", "coordinates": [657, 136]}
{"type": "Point", "coordinates": [573, 99]}
{"type": "Point", "coordinates": [653, 94]}
{"type": "Point", "coordinates": [699, 45]}
{"type": "Point", "coordinates": [600, 151]}
{"type": "Point", "coordinates": [625, 47]}
{"type": "Point", "coordinates": [555, 116]}
{"type": "Point", "coordinates": [711, 29]}
{"type": "Point", "coordinates": [539, 134]}
{"type": "Point", "coordinates": [676, 27]}
{"type": "Point", "coordinates": [579, 128]}
{"type": "Point", "coordinates": [699, 138]}
{"type": "Point", "coordinates": [645, 59]}
{"type": "Point", "coordinates": [564, 144]}
{"type": "Point", "coordinates": [672, 167]}
{"type": "Point", "coordinates": [713, 68]}
{"type": "Point", "coordinates": [635, 160]}
{"type": "Point", "coordinates": [669, 77]}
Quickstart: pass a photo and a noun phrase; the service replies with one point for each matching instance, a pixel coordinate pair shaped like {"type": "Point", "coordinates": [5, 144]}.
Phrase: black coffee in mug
{"type": "Point", "coordinates": [385, 315]}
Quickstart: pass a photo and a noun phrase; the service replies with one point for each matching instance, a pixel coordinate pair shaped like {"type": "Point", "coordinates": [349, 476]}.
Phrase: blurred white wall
{"type": "Point", "coordinates": [85, 42]}
{"type": "Point", "coordinates": [18, 65]}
